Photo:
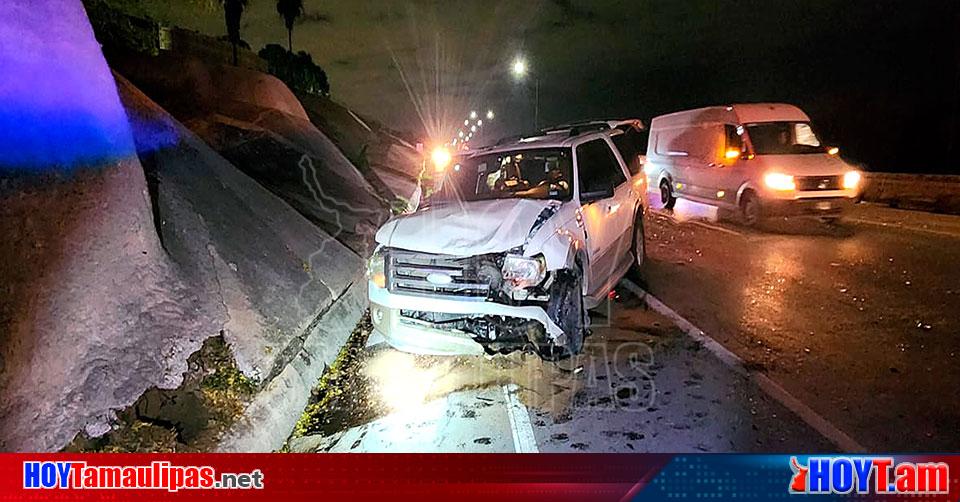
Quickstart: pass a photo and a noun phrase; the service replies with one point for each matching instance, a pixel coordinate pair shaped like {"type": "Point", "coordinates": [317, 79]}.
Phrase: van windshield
{"type": "Point", "coordinates": [521, 174]}
{"type": "Point", "coordinates": [783, 138]}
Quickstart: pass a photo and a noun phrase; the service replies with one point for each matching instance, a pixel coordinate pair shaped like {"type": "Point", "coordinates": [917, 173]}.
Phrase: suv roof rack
{"type": "Point", "coordinates": [577, 128]}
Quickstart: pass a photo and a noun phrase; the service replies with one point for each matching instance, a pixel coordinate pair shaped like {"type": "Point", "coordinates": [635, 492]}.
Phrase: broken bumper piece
{"type": "Point", "coordinates": [421, 337]}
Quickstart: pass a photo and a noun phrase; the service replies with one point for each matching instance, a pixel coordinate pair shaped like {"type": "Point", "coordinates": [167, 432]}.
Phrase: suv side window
{"type": "Point", "coordinates": [598, 167]}
{"type": "Point", "coordinates": [631, 144]}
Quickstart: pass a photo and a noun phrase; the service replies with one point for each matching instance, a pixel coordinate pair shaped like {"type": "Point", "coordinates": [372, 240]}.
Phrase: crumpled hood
{"type": "Point", "coordinates": [465, 228]}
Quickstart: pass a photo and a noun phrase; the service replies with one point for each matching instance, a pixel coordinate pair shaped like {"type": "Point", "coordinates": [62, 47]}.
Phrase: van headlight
{"type": "Point", "coordinates": [779, 181]}
{"type": "Point", "coordinates": [851, 180]}
{"type": "Point", "coordinates": [523, 272]}
{"type": "Point", "coordinates": [375, 268]}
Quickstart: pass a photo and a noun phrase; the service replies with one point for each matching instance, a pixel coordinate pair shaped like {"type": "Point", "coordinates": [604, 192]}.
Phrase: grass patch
{"type": "Point", "coordinates": [339, 396]}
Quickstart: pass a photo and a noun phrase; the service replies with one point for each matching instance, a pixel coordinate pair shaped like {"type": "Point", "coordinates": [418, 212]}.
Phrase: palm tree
{"type": "Point", "coordinates": [290, 10]}
{"type": "Point", "coordinates": [233, 10]}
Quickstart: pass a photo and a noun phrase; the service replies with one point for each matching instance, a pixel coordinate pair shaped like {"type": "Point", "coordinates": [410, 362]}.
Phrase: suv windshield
{"type": "Point", "coordinates": [524, 174]}
{"type": "Point", "coordinates": [783, 138]}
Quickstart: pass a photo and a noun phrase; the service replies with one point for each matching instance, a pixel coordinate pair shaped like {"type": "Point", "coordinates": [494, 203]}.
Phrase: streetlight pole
{"type": "Point", "coordinates": [520, 70]}
{"type": "Point", "coordinates": [536, 106]}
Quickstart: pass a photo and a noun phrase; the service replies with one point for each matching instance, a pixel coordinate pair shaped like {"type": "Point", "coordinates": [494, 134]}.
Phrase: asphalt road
{"type": "Point", "coordinates": [860, 322]}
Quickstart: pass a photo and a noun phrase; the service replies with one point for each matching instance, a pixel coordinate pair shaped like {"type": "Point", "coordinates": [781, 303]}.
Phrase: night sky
{"type": "Point", "coordinates": [881, 79]}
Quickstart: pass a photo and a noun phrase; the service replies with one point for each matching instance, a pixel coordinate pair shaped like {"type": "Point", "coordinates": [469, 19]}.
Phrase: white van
{"type": "Point", "coordinates": [762, 159]}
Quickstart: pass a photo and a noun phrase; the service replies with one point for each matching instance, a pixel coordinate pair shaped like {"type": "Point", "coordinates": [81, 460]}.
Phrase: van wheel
{"type": "Point", "coordinates": [566, 310]}
{"type": "Point", "coordinates": [750, 209]}
{"type": "Point", "coordinates": [666, 195]}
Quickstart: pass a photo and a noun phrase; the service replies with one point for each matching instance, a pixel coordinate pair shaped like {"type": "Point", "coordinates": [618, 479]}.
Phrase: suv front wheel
{"type": "Point", "coordinates": [566, 310]}
{"type": "Point", "coordinates": [639, 245]}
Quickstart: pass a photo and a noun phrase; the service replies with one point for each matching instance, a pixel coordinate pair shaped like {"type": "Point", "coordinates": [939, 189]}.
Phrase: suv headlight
{"type": "Point", "coordinates": [375, 268]}
{"type": "Point", "coordinates": [523, 272]}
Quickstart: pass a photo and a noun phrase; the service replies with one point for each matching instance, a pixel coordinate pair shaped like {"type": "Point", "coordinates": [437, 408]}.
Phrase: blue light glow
{"type": "Point", "coordinates": [59, 108]}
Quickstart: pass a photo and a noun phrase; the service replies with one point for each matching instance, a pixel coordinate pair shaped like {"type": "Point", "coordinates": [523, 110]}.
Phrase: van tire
{"type": "Point", "coordinates": [751, 211]}
{"type": "Point", "coordinates": [666, 195]}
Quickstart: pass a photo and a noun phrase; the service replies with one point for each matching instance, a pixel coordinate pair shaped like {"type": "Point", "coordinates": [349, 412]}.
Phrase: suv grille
{"type": "Point", "coordinates": [408, 272]}
{"type": "Point", "coordinates": [815, 183]}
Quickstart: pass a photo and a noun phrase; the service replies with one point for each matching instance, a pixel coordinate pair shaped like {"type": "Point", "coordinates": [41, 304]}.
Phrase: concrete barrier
{"type": "Point", "coordinates": [928, 192]}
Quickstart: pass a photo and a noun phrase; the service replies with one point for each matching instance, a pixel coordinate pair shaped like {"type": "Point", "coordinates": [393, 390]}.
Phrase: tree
{"type": "Point", "coordinates": [289, 10]}
{"type": "Point", "coordinates": [297, 70]}
{"type": "Point", "coordinates": [233, 11]}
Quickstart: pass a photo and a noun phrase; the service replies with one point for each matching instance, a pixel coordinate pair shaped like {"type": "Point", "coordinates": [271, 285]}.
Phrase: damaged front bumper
{"type": "Point", "coordinates": [423, 337]}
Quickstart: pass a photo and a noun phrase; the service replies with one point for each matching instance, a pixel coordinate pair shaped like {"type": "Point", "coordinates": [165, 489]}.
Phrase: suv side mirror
{"type": "Point", "coordinates": [605, 193]}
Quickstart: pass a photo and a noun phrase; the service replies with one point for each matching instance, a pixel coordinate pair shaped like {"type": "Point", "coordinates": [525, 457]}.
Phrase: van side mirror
{"type": "Point", "coordinates": [588, 197]}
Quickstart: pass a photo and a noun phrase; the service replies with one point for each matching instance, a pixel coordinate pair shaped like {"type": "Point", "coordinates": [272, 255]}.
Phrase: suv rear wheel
{"type": "Point", "coordinates": [566, 310]}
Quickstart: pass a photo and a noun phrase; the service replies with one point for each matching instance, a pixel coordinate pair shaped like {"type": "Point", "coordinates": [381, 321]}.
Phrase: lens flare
{"type": "Point", "coordinates": [441, 157]}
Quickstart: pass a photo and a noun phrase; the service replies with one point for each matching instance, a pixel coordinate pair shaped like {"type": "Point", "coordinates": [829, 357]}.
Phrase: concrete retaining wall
{"type": "Point", "coordinates": [269, 419]}
{"type": "Point", "coordinates": [927, 192]}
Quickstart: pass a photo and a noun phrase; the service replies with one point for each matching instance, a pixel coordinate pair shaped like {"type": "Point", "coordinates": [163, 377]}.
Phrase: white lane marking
{"type": "Point", "coordinates": [523, 440]}
{"type": "Point", "coordinates": [900, 226]}
{"type": "Point", "coordinates": [700, 223]}
{"type": "Point", "coordinates": [715, 227]}
{"type": "Point", "coordinates": [839, 438]}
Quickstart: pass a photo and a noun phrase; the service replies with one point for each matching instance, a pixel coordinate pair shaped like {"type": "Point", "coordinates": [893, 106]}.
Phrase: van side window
{"type": "Point", "coordinates": [631, 144]}
{"type": "Point", "coordinates": [694, 141]}
{"type": "Point", "coordinates": [597, 167]}
{"type": "Point", "coordinates": [734, 139]}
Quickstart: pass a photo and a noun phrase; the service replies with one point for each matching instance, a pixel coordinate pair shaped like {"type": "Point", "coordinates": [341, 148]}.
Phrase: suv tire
{"type": "Point", "coordinates": [639, 244]}
{"type": "Point", "coordinates": [565, 308]}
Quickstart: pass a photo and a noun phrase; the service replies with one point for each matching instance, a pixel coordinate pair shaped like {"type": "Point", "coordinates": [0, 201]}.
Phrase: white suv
{"type": "Point", "coordinates": [517, 243]}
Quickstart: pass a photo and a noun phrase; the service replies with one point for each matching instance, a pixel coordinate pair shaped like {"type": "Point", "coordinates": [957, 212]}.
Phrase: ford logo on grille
{"type": "Point", "coordinates": [439, 279]}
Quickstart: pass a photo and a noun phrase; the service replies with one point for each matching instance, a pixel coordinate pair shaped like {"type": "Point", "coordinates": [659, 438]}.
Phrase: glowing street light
{"type": "Point", "coordinates": [489, 114]}
{"type": "Point", "coordinates": [519, 68]}
{"type": "Point", "coordinates": [479, 123]}
{"type": "Point", "coordinates": [473, 115]}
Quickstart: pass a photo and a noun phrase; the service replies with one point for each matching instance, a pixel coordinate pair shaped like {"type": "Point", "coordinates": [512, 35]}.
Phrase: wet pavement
{"type": "Point", "coordinates": [859, 321]}
{"type": "Point", "coordinates": [641, 385]}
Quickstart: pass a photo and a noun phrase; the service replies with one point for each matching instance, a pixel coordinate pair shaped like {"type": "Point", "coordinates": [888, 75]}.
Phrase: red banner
{"type": "Point", "coordinates": [292, 477]}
